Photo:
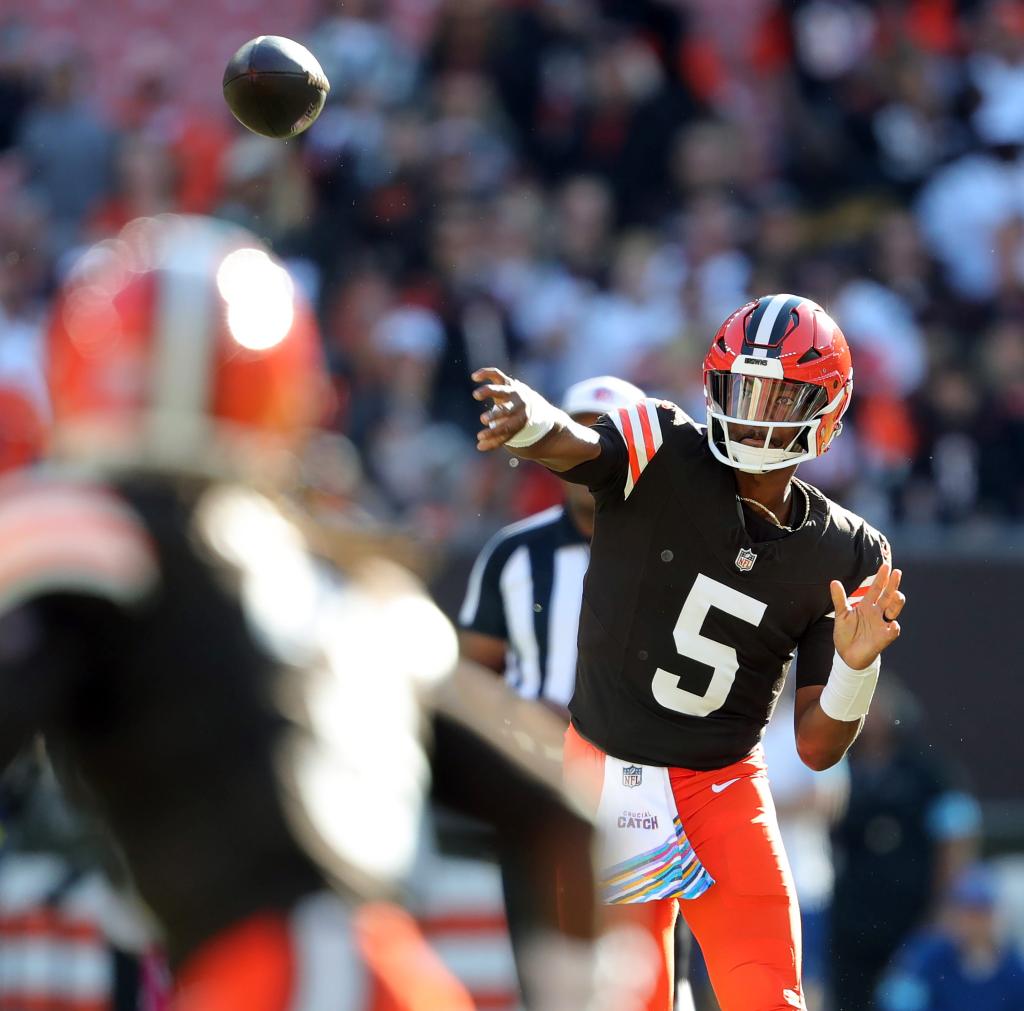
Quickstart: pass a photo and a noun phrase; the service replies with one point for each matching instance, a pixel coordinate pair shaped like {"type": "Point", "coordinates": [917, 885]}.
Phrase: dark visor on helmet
{"type": "Point", "coordinates": [753, 398]}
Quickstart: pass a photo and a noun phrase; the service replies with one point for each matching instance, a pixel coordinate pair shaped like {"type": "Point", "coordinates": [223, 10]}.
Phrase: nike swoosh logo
{"type": "Point", "coordinates": [719, 787]}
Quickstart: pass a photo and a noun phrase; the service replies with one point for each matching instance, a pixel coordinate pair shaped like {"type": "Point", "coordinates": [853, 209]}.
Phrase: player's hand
{"type": "Point", "coordinates": [507, 416]}
{"type": "Point", "coordinates": [867, 627]}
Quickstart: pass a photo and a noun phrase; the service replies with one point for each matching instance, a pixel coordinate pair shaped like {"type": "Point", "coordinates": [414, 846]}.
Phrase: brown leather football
{"type": "Point", "coordinates": [274, 86]}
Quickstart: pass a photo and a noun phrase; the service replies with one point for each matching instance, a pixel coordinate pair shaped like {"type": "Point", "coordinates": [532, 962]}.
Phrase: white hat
{"type": "Point", "coordinates": [600, 395]}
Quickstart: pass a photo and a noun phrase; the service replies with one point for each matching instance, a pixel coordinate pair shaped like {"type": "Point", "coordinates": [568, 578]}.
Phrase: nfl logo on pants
{"type": "Point", "coordinates": [632, 775]}
{"type": "Point", "coordinates": [745, 560]}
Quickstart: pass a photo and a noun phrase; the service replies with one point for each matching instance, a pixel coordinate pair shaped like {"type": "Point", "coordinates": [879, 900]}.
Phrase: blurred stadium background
{"type": "Point", "coordinates": [568, 188]}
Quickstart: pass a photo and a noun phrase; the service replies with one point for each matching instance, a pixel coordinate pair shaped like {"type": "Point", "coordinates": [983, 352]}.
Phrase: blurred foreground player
{"type": "Point", "coordinates": [711, 566]}
{"type": "Point", "coordinates": [246, 725]}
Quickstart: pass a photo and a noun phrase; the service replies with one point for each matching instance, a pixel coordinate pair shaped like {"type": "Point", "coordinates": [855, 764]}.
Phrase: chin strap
{"type": "Point", "coordinates": [757, 459]}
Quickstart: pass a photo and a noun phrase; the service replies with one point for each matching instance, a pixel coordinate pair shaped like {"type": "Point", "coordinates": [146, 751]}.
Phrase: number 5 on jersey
{"type": "Point", "coordinates": [705, 594]}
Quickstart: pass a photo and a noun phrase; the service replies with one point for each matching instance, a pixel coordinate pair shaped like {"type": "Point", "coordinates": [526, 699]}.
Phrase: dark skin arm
{"type": "Point", "coordinates": [821, 741]}
{"type": "Point", "coordinates": [564, 447]}
{"type": "Point", "coordinates": [486, 650]}
{"type": "Point", "coordinates": [861, 633]}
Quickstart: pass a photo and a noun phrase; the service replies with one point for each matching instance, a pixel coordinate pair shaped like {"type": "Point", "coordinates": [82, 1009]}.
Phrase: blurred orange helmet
{"type": "Point", "coordinates": [177, 340]}
{"type": "Point", "coordinates": [22, 427]}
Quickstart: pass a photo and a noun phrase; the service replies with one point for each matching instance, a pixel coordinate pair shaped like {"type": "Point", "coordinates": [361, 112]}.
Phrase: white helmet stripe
{"type": "Point", "coordinates": [769, 316]}
{"type": "Point", "coordinates": [185, 333]}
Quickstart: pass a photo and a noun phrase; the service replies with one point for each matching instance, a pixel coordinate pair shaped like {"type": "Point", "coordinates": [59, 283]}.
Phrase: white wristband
{"type": "Point", "coordinates": [848, 693]}
{"type": "Point", "coordinates": [540, 419]}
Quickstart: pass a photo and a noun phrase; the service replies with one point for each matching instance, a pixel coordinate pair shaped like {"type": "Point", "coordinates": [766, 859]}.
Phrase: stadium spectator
{"type": "Point", "coordinates": [193, 139]}
{"type": "Point", "coordinates": [363, 58]}
{"type": "Point", "coordinates": [144, 185]}
{"type": "Point", "coordinates": [24, 276]}
{"type": "Point", "coordinates": [16, 87]}
{"type": "Point", "coordinates": [66, 147]}
{"type": "Point", "coordinates": [625, 323]}
{"type": "Point", "coordinates": [963, 962]}
{"type": "Point", "coordinates": [493, 162]}
{"type": "Point", "coordinates": [907, 832]}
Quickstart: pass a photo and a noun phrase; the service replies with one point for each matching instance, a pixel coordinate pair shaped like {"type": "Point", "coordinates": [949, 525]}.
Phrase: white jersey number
{"type": "Point", "coordinates": [705, 594]}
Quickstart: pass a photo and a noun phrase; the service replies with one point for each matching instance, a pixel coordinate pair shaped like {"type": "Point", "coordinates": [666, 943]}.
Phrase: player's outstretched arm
{"type": "Point", "coordinates": [526, 424]}
{"type": "Point", "coordinates": [828, 719]}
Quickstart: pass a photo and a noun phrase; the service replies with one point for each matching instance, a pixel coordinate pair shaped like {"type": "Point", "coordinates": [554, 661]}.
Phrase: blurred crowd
{"type": "Point", "coordinates": [568, 188]}
{"type": "Point", "coordinates": [574, 187]}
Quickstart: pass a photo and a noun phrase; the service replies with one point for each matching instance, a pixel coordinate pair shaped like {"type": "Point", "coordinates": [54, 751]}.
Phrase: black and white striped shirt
{"type": "Point", "coordinates": [526, 588]}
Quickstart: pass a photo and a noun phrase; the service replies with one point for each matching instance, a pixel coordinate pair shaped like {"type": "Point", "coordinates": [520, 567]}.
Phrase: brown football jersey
{"type": "Point", "coordinates": [693, 608]}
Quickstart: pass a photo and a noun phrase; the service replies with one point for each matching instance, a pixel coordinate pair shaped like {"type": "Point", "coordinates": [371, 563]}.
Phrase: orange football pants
{"type": "Point", "coordinates": [748, 923]}
{"type": "Point", "coordinates": [385, 964]}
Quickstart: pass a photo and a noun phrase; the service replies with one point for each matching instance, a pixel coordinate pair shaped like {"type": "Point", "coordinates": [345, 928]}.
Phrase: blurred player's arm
{"type": "Point", "coordinates": [520, 414]}
{"type": "Point", "coordinates": [33, 680]}
{"type": "Point", "coordinates": [497, 758]}
{"type": "Point", "coordinates": [87, 559]}
{"type": "Point", "coordinates": [829, 714]}
{"type": "Point", "coordinates": [486, 650]}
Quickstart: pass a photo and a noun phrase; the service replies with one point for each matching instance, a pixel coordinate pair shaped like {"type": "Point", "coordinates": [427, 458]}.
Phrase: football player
{"type": "Point", "coordinates": [245, 722]}
{"type": "Point", "coordinates": [520, 617]}
{"type": "Point", "coordinates": [711, 567]}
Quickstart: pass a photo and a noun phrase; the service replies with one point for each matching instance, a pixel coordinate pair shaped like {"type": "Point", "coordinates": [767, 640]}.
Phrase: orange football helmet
{"type": "Point", "coordinates": [179, 337]}
{"type": "Point", "coordinates": [22, 426]}
{"type": "Point", "coordinates": [777, 380]}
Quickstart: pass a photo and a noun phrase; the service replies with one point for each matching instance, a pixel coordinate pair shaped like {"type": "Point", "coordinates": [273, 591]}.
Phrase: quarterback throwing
{"type": "Point", "coordinates": [712, 567]}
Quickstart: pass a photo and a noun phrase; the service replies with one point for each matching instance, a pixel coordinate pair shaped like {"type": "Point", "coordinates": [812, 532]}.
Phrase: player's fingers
{"type": "Point", "coordinates": [486, 439]}
{"type": "Point", "coordinates": [504, 410]}
{"type": "Point", "coordinates": [878, 585]}
{"type": "Point", "coordinates": [499, 430]}
{"type": "Point", "coordinates": [507, 425]}
{"type": "Point", "coordinates": [492, 440]}
{"type": "Point", "coordinates": [503, 424]}
{"type": "Point", "coordinates": [491, 375]}
{"type": "Point", "coordinates": [496, 391]}
{"type": "Point", "coordinates": [892, 586]}
{"type": "Point", "coordinates": [893, 583]}
{"type": "Point", "coordinates": [893, 630]}
{"type": "Point", "coordinates": [841, 604]}
{"type": "Point", "coordinates": [892, 609]}
{"type": "Point", "coordinates": [889, 596]}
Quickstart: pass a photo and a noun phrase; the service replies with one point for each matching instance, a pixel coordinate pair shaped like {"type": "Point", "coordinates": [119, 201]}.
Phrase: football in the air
{"type": "Point", "coordinates": [274, 86]}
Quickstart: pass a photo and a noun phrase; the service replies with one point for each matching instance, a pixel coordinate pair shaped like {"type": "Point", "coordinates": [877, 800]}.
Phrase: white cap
{"type": "Point", "coordinates": [600, 395]}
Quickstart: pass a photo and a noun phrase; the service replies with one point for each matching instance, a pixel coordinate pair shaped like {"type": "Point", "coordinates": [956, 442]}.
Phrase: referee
{"type": "Point", "coordinates": [521, 615]}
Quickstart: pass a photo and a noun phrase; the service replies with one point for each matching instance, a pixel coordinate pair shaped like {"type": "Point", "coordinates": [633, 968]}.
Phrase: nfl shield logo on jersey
{"type": "Point", "coordinates": [745, 560]}
{"type": "Point", "coordinates": [632, 775]}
